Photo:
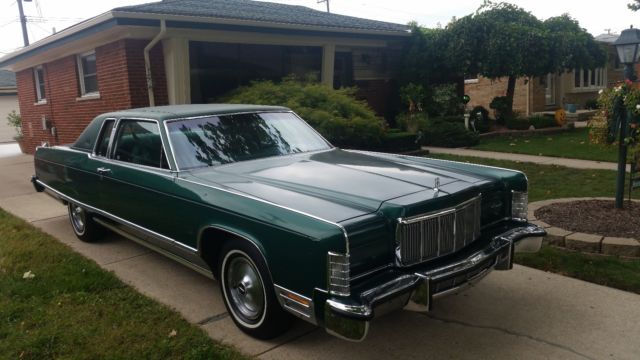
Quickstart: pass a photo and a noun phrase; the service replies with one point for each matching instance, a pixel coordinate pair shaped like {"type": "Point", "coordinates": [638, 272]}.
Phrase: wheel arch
{"type": "Point", "coordinates": [211, 239]}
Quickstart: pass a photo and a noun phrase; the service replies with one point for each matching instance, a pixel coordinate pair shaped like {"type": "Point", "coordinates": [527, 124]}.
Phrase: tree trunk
{"type": "Point", "coordinates": [511, 89]}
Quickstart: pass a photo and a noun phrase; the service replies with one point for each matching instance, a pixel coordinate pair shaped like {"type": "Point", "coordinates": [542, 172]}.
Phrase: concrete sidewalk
{"type": "Point", "coordinates": [523, 313]}
{"type": "Point", "coordinates": [544, 160]}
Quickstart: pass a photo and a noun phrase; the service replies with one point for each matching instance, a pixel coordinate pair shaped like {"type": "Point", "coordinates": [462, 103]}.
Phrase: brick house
{"type": "Point", "coordinates": [193, 51]}
{"type": "Point", "coordinates": [553, 91]}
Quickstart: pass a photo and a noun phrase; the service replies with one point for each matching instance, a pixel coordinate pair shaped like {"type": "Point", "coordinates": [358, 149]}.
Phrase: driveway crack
{"type": "Point", "coordinates": [512, 333]}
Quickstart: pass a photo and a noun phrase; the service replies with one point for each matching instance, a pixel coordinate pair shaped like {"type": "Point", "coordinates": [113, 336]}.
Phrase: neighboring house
{"type": "Point", "coordinates": [8, 103]}
{"type": "Point", "coordinates": [553, 91]}
{"type": "Point", "coordinates": [200, 49]}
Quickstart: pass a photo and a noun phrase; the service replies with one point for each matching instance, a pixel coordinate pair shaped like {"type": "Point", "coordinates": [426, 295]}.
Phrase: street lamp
{"type": "Point", "coordinates": [628, 53]}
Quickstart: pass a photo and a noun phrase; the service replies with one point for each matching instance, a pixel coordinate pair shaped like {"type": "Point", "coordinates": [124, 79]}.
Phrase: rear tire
{"type": "Point", "coordinates": [83, 225]}
{"type": "Point", "coordinates": [248, 292]}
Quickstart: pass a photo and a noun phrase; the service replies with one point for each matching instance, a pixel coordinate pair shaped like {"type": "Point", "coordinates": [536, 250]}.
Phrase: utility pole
{"type": "Point", "coordinates": [23, 22]}
{"type": "Point", "coordinates": [319, 1]}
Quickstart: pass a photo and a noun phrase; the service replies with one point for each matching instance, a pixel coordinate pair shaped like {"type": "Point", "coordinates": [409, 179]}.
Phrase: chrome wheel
{"type": "Point", "coordinates": [246, 290]}
{"type": "Point", "coordinates": [78, 218]}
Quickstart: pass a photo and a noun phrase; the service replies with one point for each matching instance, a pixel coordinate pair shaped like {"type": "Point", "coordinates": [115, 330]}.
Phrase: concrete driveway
{"type": "Point", "coordinates": [518, 314]}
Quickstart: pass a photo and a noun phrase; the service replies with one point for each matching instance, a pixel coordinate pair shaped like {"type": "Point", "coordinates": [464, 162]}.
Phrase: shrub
{"type": "Point", "coordinates": [398, 142]}
{"type": "Point", "coordinates": [15, 120]}
{"type": "Point", "coordinates": [502, 105]}
{"type": "Point", "coordinates": [412, 122]}
{"type": "Point", "coordinates": [517, 123]}
{"type": "Point", "coordinates": [542, 121]}
{"type": "Point", "coordinates": [336, 114]}
{"type": "Point", "coordinates": [480, 115]}
{"type": "Point", "coordinates": [591, 104]}
{"type": "Point", "coordinates": [448, 134]}
{"type": "Point", "coordinates": [445, 100]}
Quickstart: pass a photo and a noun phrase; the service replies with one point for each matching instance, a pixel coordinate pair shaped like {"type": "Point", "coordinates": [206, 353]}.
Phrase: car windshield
{"type": "Point", "coordinates": [225, 139]}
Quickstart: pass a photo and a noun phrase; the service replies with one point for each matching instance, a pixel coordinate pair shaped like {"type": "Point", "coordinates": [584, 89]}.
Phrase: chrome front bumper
{"type": "Point", "coordinates": [416, 291]}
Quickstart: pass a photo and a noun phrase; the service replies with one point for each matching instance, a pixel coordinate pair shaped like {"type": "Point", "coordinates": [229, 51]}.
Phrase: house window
{"type": "Point", "coordinates": [38, 75]}
{"type": "Point", "coordinates": [549, 83]}
{"type": "Point", "coordinates": [585, 79]}
{"type": "Point", "coordinates": [87, 74]}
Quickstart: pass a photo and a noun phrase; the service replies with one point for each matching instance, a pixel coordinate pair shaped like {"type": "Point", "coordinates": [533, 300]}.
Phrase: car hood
{"type": "Point", "coordinates": [335, 185]}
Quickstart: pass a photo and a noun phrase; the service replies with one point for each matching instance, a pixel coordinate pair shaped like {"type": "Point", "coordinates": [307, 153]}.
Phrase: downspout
{"type": "Point", "coordinates": [147, 62]}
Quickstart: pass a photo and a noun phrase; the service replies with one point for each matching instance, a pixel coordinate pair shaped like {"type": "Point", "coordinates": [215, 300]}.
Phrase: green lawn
{"type": "Point", "coordinates": [549, 182]}
{"type": "Point", "coordinates": [73, 309]}
{"type": "Point", "coordinates": [552, 181]}
{"type": "Point", "coordinates": [569, 144]}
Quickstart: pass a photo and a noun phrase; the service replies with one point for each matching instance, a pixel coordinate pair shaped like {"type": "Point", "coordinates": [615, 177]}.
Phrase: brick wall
{"type": "Point", "coordinates": [121, 82]}
{"type": "Point", "coordinates": [483, 92]}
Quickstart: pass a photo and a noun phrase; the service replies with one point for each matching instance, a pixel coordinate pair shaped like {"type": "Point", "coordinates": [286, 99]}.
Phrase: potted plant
{"type": "Point", "coordinates": [15, 120]}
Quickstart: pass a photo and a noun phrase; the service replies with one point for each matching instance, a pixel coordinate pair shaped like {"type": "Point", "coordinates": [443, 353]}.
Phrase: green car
{"type": "Point", "coordinates": [287, 223]}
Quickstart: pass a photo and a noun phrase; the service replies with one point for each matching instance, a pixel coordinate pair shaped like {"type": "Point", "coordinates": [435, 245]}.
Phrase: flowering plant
{"type": "Point", "coordinates": [612, 102]}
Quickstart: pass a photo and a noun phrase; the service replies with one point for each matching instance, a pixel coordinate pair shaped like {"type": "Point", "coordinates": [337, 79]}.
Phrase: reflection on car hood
{"type": "Point", "coordinates": [335, 185]}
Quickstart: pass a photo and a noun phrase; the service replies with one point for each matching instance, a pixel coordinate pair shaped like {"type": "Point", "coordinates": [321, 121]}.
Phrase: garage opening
{"type": "Point", "coordinates": [217, 68]}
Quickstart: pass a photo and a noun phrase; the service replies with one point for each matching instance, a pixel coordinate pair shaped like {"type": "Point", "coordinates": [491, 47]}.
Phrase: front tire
{"type": "Point", "coordinates": [248, 293]}
{"type": "Point", "coordinates": [83, 225]}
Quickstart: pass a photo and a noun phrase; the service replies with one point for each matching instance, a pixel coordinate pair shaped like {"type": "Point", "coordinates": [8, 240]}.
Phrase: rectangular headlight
{"type": "Point", "coordinates": [519, 202]}
{"type": "Point", "coordinates": [338, 274]}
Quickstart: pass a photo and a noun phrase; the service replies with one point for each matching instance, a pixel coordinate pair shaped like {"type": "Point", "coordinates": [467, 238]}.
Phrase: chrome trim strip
{"type": "Point", "coordinates": [310, 316]}
{"type": "Point", "coordinates": [157, 249]}
{"type": "Point", "coordinates": [427, 216]}
{"type": "Point", "coordinates": [367, 273]}
{"type": "Point", "coordinates": [116, 218]}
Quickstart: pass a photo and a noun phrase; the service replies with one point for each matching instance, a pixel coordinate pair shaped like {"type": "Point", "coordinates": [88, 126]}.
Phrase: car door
{"type": "Point", "coordinates": [137, 184]}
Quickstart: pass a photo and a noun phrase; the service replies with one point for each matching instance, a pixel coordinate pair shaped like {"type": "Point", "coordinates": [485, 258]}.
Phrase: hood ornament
{"type": "Point", "coordinates": [436, 186]}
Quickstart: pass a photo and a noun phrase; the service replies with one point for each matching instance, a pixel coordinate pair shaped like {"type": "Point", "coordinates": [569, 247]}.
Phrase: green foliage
{"type": "Point", "coordinates": [399, 142]}
{"type": "Point", "coordinates": [634, 6]}
{"type": "Point", "coordinates": [15, 120]}
{"type": "Point", "coordinates": [413, 96]}
{"type": "Point", "coordinates": [591, 104]}
{"type": "Point", "coordinates": [480, 115]}
{"type": "Point", "coordinates": [445, 100]}
{"type": "Point", "coordinates": [447, 133]}
{"type": "Point", "coordinates": [412, 122]}
{"type": "Point", "coordinates": [336, 114]}
{"type": "Point", "coordinates": [517, 123]}
{"type": "Point", "coordinates": [542, 122]}
{"type": "Point", "coordinates": [502, 106]}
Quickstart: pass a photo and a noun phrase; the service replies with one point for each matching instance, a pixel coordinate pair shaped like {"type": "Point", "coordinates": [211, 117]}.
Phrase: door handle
{"type": "Point", "coordinates": [103, 170]}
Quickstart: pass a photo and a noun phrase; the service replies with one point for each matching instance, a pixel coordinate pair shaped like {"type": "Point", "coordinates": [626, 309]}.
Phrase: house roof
{"type": "Point", "coordinates": [607, 38]}
{"type": "Point", "coordinates": [7, 79]}
{"type": "Point", "coordinates": [262, 12]}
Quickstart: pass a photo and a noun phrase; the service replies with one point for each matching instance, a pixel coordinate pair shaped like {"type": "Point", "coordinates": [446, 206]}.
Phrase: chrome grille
{"type": "Point", "coordinates": [428, 236]}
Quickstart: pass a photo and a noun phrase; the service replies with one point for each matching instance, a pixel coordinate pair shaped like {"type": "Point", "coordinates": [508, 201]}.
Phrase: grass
{"type": "Point", "coordinates": [73, 309]}
{"type": "Point", "coordinates": [569, 144]}
{"type": "Point", "coordinates": [549, 182]}
{"type": "Point", "coordinates": [604, 270]}
{"type": "Point", "coordinates": [552, 181]}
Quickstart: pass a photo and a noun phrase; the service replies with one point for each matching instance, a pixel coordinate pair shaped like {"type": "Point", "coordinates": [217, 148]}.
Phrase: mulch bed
{"type": "Point", "coordinates": [594, 217]}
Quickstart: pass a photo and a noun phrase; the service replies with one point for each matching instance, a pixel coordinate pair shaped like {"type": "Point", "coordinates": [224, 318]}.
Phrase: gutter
{"type": "Point", "coordinates": [147, 61]}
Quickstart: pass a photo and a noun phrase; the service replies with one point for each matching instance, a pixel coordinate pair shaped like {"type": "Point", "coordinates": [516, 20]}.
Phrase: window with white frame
{"type": "Point", "coordinates": [87, 74]}
{"type": "Point", "coordinates": [38, 76]}
{"type": "Point", "coordinates": [585, 79]}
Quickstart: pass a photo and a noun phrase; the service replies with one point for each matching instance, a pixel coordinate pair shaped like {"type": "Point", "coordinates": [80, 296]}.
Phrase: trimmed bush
{"type": "Point", "coordinates": [517, 124]}
{"type": "Point", "coordinates": [448, 134]}
{"type": "Point", "coordinates": [399, 142]}
{"type": "Point", "coordinates": [412, 122]}
{"type": "Point", "coordinates": [542, 121]}
{"type": "Point", "coordinates": [336, 114]}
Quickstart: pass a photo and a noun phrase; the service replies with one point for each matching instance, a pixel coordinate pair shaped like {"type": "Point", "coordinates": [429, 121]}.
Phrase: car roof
{"type": "Point", "coordinates": [170, 112]}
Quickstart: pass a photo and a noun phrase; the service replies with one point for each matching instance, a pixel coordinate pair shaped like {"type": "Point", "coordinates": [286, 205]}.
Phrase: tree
{"type": "Point", "coordinates": [635, 5]}
{"type": "Point", "coordinates": [505, 40]}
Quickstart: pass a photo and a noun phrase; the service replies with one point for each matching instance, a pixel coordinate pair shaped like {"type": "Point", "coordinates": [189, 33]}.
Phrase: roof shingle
{"type": "Point", "coordinates": [263, 12]}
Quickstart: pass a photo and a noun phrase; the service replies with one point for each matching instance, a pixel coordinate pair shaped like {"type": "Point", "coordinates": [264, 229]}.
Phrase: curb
{"type": "Point", "coordinates": [582, 242]}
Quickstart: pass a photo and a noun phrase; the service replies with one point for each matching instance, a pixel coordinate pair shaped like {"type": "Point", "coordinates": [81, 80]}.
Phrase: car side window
{"type": "Point", "coordinates": [139, 142]}
{"type": "Point", "coordinates": [105, 135]}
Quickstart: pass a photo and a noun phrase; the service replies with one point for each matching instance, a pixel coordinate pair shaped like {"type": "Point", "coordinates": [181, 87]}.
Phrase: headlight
{"type": "Point", "coordinates": [338, 274]}
{"type": "Point", "coordinates": [519, 202]}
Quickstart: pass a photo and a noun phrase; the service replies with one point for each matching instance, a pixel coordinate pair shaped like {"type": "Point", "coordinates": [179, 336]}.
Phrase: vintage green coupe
{"type": "Point", "coordinates": [287, 223]}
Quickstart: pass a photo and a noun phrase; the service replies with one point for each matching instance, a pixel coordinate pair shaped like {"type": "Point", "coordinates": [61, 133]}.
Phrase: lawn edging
{"type": "Point", "coordinates": [583, 242]}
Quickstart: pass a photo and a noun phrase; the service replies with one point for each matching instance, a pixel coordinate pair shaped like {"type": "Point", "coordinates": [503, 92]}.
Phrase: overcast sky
{"type": "Point", "coordinates": [595, 16]}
